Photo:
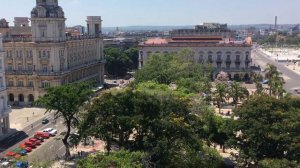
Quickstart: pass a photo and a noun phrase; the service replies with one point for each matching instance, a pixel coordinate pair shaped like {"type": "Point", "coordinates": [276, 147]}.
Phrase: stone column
{"type": "Point", "coordinates": [7, 126]}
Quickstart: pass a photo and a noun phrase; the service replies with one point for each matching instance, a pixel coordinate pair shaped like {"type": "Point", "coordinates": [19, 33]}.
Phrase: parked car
{"type": "Point", "coordinates": [22, 164]}
{"type": "Point", "coordinates": [45, 121]}
{"type": "Point", "coordinates": [30, 144]}
{"type": "Point", "coordinates": [23, 146]}
{"type": "Point", "coordinates": [51, 131]}
{"type": "Point", "coordinates": [44, 135]}
{"type": "Point", "coordinates": [36, 141]}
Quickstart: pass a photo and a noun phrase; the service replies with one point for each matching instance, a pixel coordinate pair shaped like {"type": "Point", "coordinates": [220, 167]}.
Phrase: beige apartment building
{"type": "Point", "coordinates": [46, 56]}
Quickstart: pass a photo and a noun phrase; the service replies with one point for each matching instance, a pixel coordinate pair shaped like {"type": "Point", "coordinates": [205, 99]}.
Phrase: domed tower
{"type": "Point", "coordinates": [47, 22]}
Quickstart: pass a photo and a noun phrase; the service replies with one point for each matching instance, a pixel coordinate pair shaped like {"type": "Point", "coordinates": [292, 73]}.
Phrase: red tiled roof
{"type": "Point", "coordinates": [156, 41]}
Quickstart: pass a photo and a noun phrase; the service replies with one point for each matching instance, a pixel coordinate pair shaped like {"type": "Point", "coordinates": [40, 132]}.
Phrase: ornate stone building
{"type": "Point", "coordinates": [48, 57]}
{"type": "Point", "coordinates": [210, 45]}
{"type": "Point", "coordinates": [4, 108]}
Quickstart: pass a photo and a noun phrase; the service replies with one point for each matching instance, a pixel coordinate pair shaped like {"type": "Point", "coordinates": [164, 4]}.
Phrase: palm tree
{"type": "Point", "coordinates": [257, 78]}
{"type": "Point", "coordinates": [275, 81]}
{"type": "Point", "coordinates": [237, 92]}
{"type": "Point", "coordinates": [220, 94]}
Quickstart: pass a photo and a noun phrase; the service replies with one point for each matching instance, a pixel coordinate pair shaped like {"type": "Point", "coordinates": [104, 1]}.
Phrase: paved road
{"type": "Point", "coordinates": [47, 151]}
{"type": "Point", "coordinates": [13, 140]}
{"type": "Point", "coordinates": [292, 79]}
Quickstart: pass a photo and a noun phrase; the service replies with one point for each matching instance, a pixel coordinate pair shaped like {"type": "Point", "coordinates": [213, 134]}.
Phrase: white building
{"type": "Point", "coordinates": [4, 108]}
{"type": "Point", "coordinates": [224, 54]}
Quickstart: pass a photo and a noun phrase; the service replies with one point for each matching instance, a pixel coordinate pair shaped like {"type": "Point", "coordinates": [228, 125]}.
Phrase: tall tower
{"type": "Point", "coordinates": [94, 25]}
{"type": "Point", "coordinates": [47, 22]}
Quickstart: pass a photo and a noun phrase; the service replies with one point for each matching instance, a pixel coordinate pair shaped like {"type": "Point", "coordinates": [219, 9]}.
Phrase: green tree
{"type": "Point", "coordinates": [237, 92]}
{"type": "Point", "coordinates": [220, 94]}
{"type": "Point", "coordinates": [266, 128]}
{"type": "Point", "coordinates": [257, 79]}
{"type": "Point", "coordinates": [66, 102]}
{"type": "Point", "coordinates": [275, 81]}
{"type": "Point", "coordinates": [178, 68]}
{"type": "Point", "coordinates": [133, 55]}
{"type": "Point", "coordinates": [119, 159]}
{"type": "Point", "coordinates": [151, 118]}
{"type": "Point", "coordinates": [118, 62]}
{"type": "Point", "coordinates": [278, 163]}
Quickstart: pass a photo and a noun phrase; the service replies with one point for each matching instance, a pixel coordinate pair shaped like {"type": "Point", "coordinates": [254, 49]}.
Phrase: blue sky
{"type": "Point", "coordinates": [166, 12]}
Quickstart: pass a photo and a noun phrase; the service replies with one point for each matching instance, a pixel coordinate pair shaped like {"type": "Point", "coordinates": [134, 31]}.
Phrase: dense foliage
{"type": "Point", "coordinates": [118, 159]}
{"type": "Point", "coordinates": [155, 120]}
{"type": "Point", "coordinates": [267, 128]}
{"type": "Point", "coordinates": [119, 61]}
{"type": "Point", "coordinates": [178, 68]}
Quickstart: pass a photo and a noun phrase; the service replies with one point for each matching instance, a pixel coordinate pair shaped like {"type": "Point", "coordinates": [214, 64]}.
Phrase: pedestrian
{"type": "Point", "coordinates": [31, 126]}
{"type": "Point", "coordinates": [78, 154]}
{"type": "Point", "coordinates": [81, 153]}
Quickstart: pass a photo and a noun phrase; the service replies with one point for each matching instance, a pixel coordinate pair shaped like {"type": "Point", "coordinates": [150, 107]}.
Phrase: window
{"type": "Point", "coordinates": [20, 83]}
{"type": "Point", "coordinates": [45, 84]}
{"type": "Point", "coordinates": [29, 67]}
{"type": "Point", "coordinates": [20, 67]}
{"type": "Point", "coordinates": [10, 67]}
{"type": "Point", "coordinates": [44, 68]}
{"type": "Point", "coordinates": [1, 82]}
{"type": "Point", "coordinates": [10, 83]}
{"type": "Point", "coordinates": [30, 83]}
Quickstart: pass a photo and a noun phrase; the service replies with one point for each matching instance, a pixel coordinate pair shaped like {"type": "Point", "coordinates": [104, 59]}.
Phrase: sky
{"type": "Point", "coordinates": [165, 12]}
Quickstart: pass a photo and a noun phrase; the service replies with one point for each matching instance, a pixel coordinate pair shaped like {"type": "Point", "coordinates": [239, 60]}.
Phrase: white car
{"type": "Point", "coordinates": [51, 131]}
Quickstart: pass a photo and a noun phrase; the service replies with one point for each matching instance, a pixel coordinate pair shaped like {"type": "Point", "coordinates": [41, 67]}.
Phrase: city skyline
{"type": "Point", "coordinates": [166, 12]}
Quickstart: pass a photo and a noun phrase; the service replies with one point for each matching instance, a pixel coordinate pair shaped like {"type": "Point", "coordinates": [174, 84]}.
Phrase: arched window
{"type": "Point", "coordinates": [11, 97]}
{"type": "Point", "coordinates": [30, 98]}
{"type": "Point", "coordinates": [21, 98]}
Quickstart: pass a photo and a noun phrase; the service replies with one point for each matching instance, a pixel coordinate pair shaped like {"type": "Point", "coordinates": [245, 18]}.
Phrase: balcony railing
{"type": "Point", "coordinates": [228, 60]}
{"type": "Point", "coordinates": [219, 60]}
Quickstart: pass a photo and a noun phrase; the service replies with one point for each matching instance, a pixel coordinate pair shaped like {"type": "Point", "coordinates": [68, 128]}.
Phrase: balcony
{"type": "Point", "coordinates": [228, 61]}
{"type": "Point", "coordinates": [18, 72]}
{"type": "Point", "coordinates": [219, 61]}
{"type": "Point", "coordinates": [237, 61]}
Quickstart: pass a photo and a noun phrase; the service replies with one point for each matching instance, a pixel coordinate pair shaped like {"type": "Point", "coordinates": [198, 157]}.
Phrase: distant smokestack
{"type": "Point", "coordinates": [275, 22]}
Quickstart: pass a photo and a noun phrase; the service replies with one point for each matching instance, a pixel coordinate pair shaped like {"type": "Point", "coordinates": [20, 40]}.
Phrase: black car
{"type": "Point", "coordinates": [45, 121]}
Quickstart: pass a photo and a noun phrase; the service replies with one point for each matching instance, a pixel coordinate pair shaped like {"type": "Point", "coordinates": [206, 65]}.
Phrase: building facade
{"type": "Point", "coordinates": [224, 54]}
{"type": "Point", "coordinates": [49, 57]}
{"type": "Point", "coordinates": [4, 108]}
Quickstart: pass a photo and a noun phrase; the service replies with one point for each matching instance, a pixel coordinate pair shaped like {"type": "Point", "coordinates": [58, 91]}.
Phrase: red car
{"type": "Point", "coordinates": [36, 141]}
{"type": "Point", "coordinates": [42, 134]}
{"type": "Point", "coordinates": [11, 154]}
{"type": "Point", "coordinates": [23, 146]}
{"type": "Point", "coordinates": [30, 144]}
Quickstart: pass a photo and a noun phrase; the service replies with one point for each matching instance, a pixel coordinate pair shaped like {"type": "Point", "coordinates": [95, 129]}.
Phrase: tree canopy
{"type": "Point", "coordinates": [163, 124]}
{"type": "Point", "coordinates": [178, 68]}
{"type": "Point", "coordinates": [267, 128]}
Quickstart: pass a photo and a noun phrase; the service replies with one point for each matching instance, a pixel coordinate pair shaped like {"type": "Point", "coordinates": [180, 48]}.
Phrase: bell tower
{"type": "Point", "coordinates": [94, 25]}
{"type": "Point", "coordinates": [48, 22]}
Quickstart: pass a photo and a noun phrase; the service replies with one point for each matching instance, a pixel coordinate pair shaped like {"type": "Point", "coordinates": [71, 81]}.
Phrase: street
{"type": "Point", "coordinates": [49, 149]}
{"type": "Point", "coordinates": [291, 78]}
